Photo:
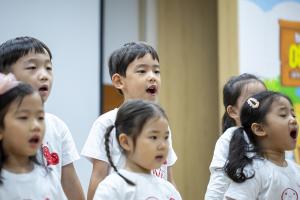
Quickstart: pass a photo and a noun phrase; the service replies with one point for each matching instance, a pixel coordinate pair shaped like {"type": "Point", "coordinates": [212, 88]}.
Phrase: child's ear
{"type": "Point", "coordinates": [117, 81]}
{"type": "Point", "coordinates": [125, 142]}
{"type": "Point", "coordinates": [233, 112]}
{"type": "Point", "coordinates": [258, 129]}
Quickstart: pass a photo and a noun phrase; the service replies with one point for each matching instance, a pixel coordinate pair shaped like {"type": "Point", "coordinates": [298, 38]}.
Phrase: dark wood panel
{"type": "Point", "coordinates": [111, 98]}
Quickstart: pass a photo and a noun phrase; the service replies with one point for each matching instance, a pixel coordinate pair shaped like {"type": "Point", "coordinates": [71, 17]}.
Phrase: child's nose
{"type": "Point", "coordinates": [37, 125]}
{"type": "Point", "coordinates": [152, 76]}
{"type": "Point", "coordinates": [43, 74]}
{"type": "Point", "coordinates": [293, 120]}
{"type": "Point", "coordinates": [163, 145]}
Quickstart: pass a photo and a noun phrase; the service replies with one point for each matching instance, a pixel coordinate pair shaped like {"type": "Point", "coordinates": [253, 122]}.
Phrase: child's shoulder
{"type": "Point", "coordinates": [108, 117]}
{"type": "Point", "coordinates": [52, 120]}
{"type": "Point", "coordinates": [224, 140]}
{"type": "Point", "coordinates": [292, 164]}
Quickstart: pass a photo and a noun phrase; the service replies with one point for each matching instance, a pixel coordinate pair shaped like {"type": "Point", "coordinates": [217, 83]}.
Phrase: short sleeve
{"type": "Point", "coordinates": [172, 157]}
{"type": "Point", "coordinates": [69, 150]}
{"type": "Point", "coordinates": [106, 191]}
{"type": "Point", "coordinates": [221, 150]}
{"type": "Point", "coordinates": [59, 130]}
{"type": "Point", "coordinates": [247, 190]}
{"type": "Point", "coordinates": [217, 186]}
{"type": "Point", "coordinates": [114, 187]}
{"type": "Point", "coordinates": [94, 146]}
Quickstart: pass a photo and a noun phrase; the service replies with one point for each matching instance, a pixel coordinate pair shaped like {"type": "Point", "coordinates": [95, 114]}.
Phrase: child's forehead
{"type": "Point", "coordinates": [146, 60]}
{"type": "Point", "coordinates": [35, 56]}
{"type": "Point", "coordinates": [281, 103]}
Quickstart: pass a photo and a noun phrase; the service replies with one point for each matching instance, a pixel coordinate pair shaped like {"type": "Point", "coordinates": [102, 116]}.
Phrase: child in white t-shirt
{"type": "Point", "coordinates": [30, 61]}
{"type": "Point", "coordinates": [235, 92]}
{"type": "Point", "coordinates": [141, 130]}
{"type": "Point", "coordinates": [135, 72]}
{"type": "Point", "coordinates": [22, 130]}
{"type": "Point", "coordinates": [256, 163]}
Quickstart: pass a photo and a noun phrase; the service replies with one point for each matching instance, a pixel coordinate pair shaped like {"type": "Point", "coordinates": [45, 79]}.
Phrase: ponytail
{"type": "Point", "coordinates": [239, 157]}
{"type": "Point", "coordinates": [107, 149]}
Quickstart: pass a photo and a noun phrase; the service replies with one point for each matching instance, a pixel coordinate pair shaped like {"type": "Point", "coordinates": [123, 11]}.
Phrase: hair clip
{"type": "Point", "coordinates": [7, 82]}
{"type": "Point", "coordinates": [253, 103]}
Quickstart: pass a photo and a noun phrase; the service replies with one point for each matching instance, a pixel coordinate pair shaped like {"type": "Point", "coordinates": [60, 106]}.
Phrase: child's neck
{"type": "Point", "coordinates": [133, 167]}
{"type": "Point", "coordinates": [18, 166]}
{"type": "Point", "coordinates": [278, 158]}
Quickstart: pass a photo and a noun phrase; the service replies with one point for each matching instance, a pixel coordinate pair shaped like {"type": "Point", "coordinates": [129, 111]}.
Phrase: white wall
{"type": "Point", "coordinates": [71, 30]}
{"type": "Point", "coordinates": [121, 25]}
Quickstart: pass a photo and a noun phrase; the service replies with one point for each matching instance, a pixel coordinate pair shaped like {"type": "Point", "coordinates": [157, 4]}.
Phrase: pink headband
{"type": "Point", "coordinates": [7, 82]}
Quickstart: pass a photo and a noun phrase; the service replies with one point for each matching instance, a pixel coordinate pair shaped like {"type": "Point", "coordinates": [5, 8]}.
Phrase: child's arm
{"type": "Point", "coordinates": [218, 184]}
{"type": "Point", "coordinates": [71, 183]}
{"type": "Point", "coordinates": [100, 171]}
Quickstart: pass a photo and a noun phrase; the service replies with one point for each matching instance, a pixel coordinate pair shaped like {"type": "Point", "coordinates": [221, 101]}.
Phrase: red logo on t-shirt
{"type": "Point", "coordinates": [52, 158]}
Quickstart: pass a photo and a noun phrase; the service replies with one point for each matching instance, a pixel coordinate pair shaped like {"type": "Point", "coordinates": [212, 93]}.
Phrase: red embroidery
{"type": "Point", "coordinates": [157, 172]}
{"type": "Point", "coordinates": [52, 158]}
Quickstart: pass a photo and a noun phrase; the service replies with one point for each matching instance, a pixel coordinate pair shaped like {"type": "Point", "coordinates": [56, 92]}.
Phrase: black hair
{"type": "Point", "coordinates": [15, 94]}
{"type": "Point", "coordinates": [122, 57]}
{"type": "Point", "coordinates": [131, 118]}
{"type": "Point", "coordinates": [12, 50]}
{"type": "Point", "coordinates": [242, 151]}
{"type": "Point", "coordinates": [231, 92]}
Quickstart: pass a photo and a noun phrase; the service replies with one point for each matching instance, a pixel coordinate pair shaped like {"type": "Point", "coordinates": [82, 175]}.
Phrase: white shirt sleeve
{"type": "Point", "coordinates": [217, 185]}
{"type": "Point", "coordinates": [94, 146]}
{"type": "Point", "coordinates": [172, 157]}
{"type": "Point", "coordinates": [218, 182]}
{"type": "Point", "coordinates": [114, 187]}
{"type": "Point", "coordinates": [69, 150]}
{"type": "Point", "coordinates": [247, 190]}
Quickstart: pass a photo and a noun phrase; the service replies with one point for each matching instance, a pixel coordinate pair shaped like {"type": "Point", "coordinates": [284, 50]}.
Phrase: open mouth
{"type": "Point", "coordinates": [43, 89]}
{"type": "Point", "coordinates": [34, 139]}
{"type": "Point", "coordinates": [294, 134]}
{"type": "Point", "coordinates": [152, 89]}
{"type": "Point", "coordinates": [160, 158]}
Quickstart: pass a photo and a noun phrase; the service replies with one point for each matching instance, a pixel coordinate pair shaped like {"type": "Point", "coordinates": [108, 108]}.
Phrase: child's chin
{"type": "Point", "coordinates": [152, 99]}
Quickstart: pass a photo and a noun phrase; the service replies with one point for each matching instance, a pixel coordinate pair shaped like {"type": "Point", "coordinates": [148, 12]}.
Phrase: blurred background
{"type": "Point", "coordinates": [201, 43]}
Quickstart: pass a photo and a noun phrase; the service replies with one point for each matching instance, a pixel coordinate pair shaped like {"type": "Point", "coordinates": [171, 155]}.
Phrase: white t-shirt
{"type": "Point", "coordinates": [270, 182]}
{"type": "Point", "coordinates": [58, 145]}
{"type": "Point", "coordinates": [38, 184]}
{"type": "Point", "coordinates": [94, 147]}
{"type": "Point", "coordinates": [147, 187]}
{"type": "Point", "coordinates": [219, 181]}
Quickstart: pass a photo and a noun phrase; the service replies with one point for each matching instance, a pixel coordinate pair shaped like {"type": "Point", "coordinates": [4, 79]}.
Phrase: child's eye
{"type": "Point", "coordinates": [153, 137]}
{"type": "Point", "coordinates": [157, 72]}
{"type": "Point", "coordinates": [22, 117]}
{"type": "Point", "coordinates": [41, 118]}
{"type": "Point", "coordinates": [167, 137]}
{"type": "Point", "coordinates": [141, 71]}
{"type": "Point", "coordinates": [31, 68]}
{"type": "Point", "coordinates": [49, 68]}
{"type": "Point", "coordinates": [283, 115]}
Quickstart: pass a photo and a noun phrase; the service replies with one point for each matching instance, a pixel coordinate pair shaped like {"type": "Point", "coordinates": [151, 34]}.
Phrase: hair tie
{"type": "Point", "coordinates": [7, 82]}
{"type": "Point", "coordinates": [253, 103]}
